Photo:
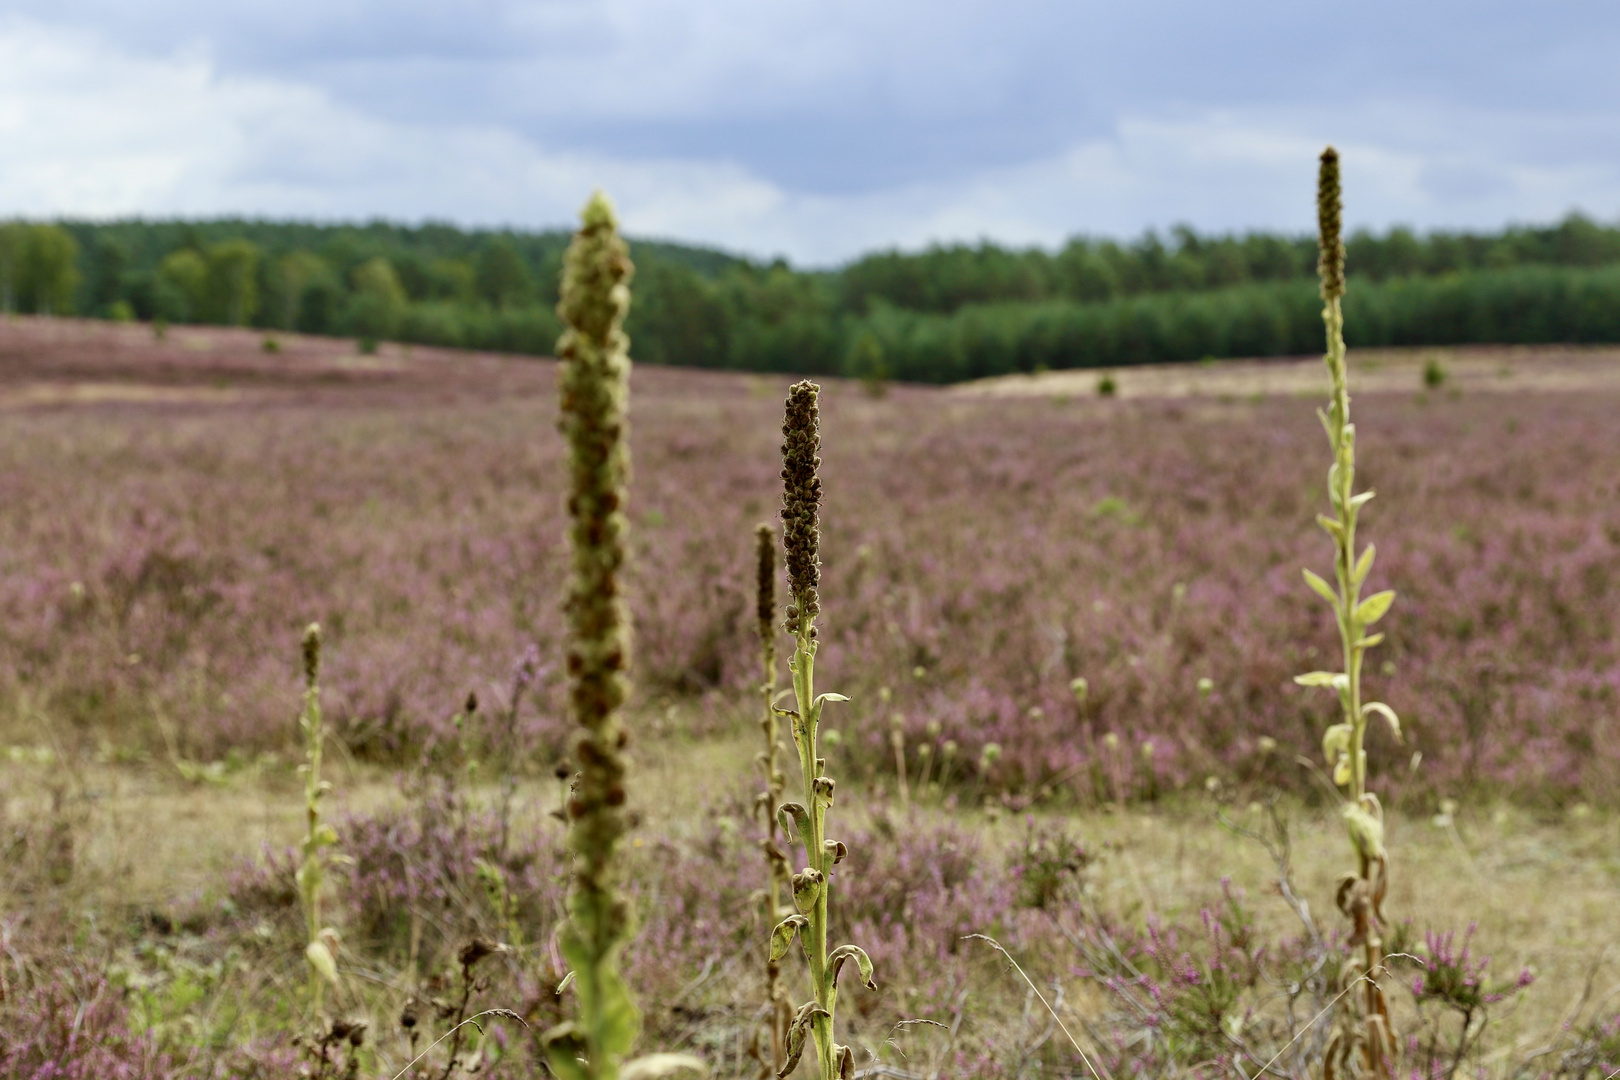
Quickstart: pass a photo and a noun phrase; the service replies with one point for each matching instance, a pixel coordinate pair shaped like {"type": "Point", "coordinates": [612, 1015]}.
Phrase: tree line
{"type": "Point", "coordinates": [943, 314]}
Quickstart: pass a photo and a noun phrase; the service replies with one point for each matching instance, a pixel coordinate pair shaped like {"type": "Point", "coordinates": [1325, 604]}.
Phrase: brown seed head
{"type": "Point", "coordinates": [1329, 213]}
{"type": "Point", "coordinates": [801, 504]}
{"type": "Point", "coordinates": [765, 548]}
{"type": "Point", "coordinates": [312, 653]}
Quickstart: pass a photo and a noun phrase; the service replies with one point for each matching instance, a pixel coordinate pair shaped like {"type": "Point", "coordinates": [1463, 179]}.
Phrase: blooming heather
{"type": "Point", "coordinates": [1004, 546]}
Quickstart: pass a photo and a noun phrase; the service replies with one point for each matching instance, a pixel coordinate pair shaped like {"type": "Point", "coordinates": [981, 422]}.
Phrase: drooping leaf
{"type": "Point", "coordinates": [835, 962]}
{"type": "Point", "coordinates": [1387, 713]}
{"type": "Point", "coordinates": [797, 1036]}
{"type": "Point", "coordinates": [791, 815]}
{"type": "Point", "coordinates": [1366, 831]}
{"type": "Point", "coordinates": [1336, 742]}
{"type": "Point", "coordinates": [320, 958]}
{"type": "Point", "coordinates": [1341, 771]}
{"type": "Point", "coordinates": [782, 936]}
{"type": "Point", "coordinates": [806, 888]}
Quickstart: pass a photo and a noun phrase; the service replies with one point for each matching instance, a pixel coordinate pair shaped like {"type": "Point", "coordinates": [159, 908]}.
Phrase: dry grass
{"type": "Point", "coordinates": [1542, 889]}
{"type": "Point", "coordinates": [1492, 369]}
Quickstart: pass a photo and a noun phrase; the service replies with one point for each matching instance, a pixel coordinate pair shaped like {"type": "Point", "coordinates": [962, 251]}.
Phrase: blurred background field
{"type": "Point", "coordinates": [179, 507]}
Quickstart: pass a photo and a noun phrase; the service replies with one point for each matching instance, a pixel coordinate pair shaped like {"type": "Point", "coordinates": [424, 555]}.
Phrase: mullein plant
{"type": "Point", "coordinates": [318, 835]}
{"type": "Point", "coordinates": [811, 887]}
{"type": "Point", "coordinates": [1367, 1044]}
{"type": "Point", "coordinates": [772, 1050]}
{"type": "Point", "coordinates": [594, 393]}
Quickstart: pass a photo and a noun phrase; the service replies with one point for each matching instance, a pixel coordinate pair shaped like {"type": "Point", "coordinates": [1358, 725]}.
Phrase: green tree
{"type": "Point", "coordinates": [503, 277]}
{"type": "Point", "coordinates": [13, 243]}
{"type": "Point", "coordinates": [289, 282]}
{"type": "Point", "coordinates": [49, 271]}
{"type": "Point", "coordinates": [453, 279]}
{"type": "Point", "coordinates": [182, 286]}
{"type": "Point", "coordinates": [109, 259]}
{"type": "Point", "coordinates": [379, 303]}
{"type": "Point", "coordinates": [677, 319]}
{"type": "Point", "coordinates": [232, 291]}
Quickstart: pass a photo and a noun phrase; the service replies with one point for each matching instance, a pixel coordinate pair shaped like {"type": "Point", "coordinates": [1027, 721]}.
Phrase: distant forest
{"type": "Point", "coordinates": [940, 315]}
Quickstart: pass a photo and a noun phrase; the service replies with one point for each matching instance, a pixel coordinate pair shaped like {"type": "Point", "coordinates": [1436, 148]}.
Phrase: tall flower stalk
{"type": "Point", "coordinates": [594, 392]}
{"type": "Point", "coordinates": [812, 887]}
{"type": "Point", "coordinates": [1368, 1046]}
{"type": "Point", "coordinates": [777, 873]}
{"type": "Point", "coordinates": [318, 835]}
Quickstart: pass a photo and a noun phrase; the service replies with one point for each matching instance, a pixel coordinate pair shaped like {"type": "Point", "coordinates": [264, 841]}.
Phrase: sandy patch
{"type": "Point", "coordinates": [1496, 369]}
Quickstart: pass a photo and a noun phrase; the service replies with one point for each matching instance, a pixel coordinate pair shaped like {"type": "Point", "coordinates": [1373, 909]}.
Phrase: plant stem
{"type": "Point", "coordinates": [1361, 897]}
{"type": "Point", "coordinates": [779, 1012]}
{"type": "Point", "coordinates": [594, 391]}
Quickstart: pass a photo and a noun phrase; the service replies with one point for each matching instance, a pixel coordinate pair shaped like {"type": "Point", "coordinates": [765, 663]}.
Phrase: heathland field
{"type": "Point", "coordinates": [1068, 623]}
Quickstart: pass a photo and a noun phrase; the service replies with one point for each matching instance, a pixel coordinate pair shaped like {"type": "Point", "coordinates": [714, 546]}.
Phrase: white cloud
{"type": "Point", "coordinates": [89, 127]}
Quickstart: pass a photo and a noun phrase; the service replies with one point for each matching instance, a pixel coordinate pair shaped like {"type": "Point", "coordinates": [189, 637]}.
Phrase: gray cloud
{"type": "Point", "coordinates": [819, 128]}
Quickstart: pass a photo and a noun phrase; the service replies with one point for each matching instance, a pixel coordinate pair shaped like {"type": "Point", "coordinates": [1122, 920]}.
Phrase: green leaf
{"type": "Point", "coordinates": [566, 1067]}
{"type": "Point", "coordinates": [1364, 564]}
{"type": "Point", "coordinates": [1358, 501]}
{"type": "Point", "coordinates": [794, 814]}
{"type": "Point", "coordinates": [658, 1066]}
{"type": "Point", "coordinates": [1316, 678]}
{"type": "Point", "coordinates": [1336, 742]}
{"type": "Point", "coordinates": [807, 888]}
{"type": "Point", "coordinates": [1369, 641]}
{"type": "Point", "coordinates": [325, 836]}
{"type": "Point", "coordinates": [835, 962]}
{"type": "Point", "coordinates": [617, 1018]}
{"type": "Point", "coordinates": [320, 958]}
{"type": "Point", "coordinates": [783, 935]}
{"type": "Point", "coordinates": [1320, 586]}
{"type": "Point", "coordinates": [1388, 714]}
{"type": "Point", "coordinates": [1366, 831]}
{"type": "Point", "coordinates": [566, 1047]}
{"type": "Point", "coordinates": [1373, 608]}
{"type": "Point", "coordinates": [1334, 529]}
{"type": "Point", "coordinates": [797, 1033]}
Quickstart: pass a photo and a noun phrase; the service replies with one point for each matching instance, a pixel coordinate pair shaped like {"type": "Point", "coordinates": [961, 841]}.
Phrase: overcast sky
{"type": "Point", "coordinates": [817, 129]}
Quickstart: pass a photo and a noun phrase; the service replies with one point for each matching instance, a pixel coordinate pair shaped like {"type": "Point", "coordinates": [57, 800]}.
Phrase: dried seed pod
{"type": "Point", "coordinates": [801, 505]}
{"type": "Point", "coordinates": [1329, 213]}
